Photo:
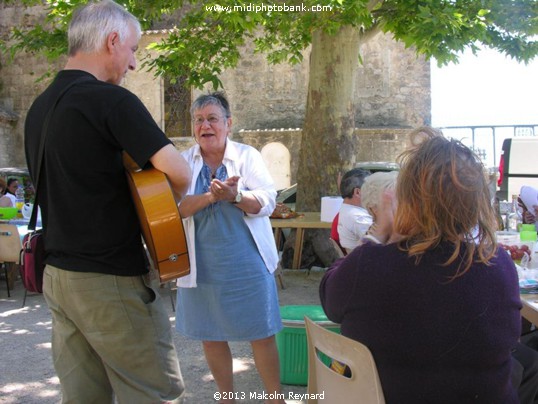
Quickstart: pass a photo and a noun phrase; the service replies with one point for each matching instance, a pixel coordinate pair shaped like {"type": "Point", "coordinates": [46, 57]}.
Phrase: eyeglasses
{"type": "Point", "coordinates": [212, 119]}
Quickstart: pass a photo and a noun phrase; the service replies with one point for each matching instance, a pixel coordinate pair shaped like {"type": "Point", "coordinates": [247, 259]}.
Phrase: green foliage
{"type": "Point", "coordinates": [38, 40]}
{"type": "Point", "coordinates": [206, 38]}
{"type": "Point", "coordinates": [442, 29]}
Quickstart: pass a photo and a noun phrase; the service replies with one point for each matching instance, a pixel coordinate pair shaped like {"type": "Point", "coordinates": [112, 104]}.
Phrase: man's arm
{"type": "Point", "coordinates": [169, 161]}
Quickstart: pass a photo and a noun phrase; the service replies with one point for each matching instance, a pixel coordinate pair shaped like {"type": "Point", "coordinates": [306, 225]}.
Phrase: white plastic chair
{"type": "Point", "coordinates": [363, 385]}
{"type": "Point", "coordinates": [10, 248]}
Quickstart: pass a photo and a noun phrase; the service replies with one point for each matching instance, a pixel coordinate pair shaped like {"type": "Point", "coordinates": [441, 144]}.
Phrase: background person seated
{"type": "Point", "coordinates": [5, 201]}
{"type": "Point", "coordinates": [11, 189]}
{"type": "Point", "coordinates": [528, 214]}
{"type": "Point", "coordinates": [353, 219]}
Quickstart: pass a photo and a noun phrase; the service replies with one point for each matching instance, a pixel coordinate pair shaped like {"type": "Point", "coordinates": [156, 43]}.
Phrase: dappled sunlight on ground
{"type": "Point", "coordinates": [47, 391]}
{"type": "Point", "coordinates": [242, 365]}
{"type": "Point", "coordinates": [20, 332]}
{"type": "Point", "coordinates": [11, 387]}
{"type": "Point", "coordinates": [27, 375]}
{"type": "Point", "coordinates": [10, 313]}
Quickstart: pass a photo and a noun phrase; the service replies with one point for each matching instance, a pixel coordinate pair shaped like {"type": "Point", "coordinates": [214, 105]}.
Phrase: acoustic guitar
{"type": "Point", "coordinates": [162, 228]}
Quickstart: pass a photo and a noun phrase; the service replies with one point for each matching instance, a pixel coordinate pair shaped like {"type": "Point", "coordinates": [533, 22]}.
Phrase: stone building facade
{"type": "Point", "coordinates": [267, 101]}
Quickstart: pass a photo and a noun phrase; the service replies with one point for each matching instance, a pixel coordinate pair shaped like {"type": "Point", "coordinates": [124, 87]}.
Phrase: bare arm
{"type": "Point", "coordinates": [169, 161]}
{"type": "Point", "coordinates": [5, 202]}
{"type": "Point", "coordinates": [193, 203]}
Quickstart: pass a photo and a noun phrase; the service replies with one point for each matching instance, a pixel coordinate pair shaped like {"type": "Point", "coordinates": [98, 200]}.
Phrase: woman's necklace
{"type": "Point", "coordinates": [213, 161]}
{"type": "Point", "coordinates": [212, 170]}
{"type": "Point", "coordinates": [208, 174]}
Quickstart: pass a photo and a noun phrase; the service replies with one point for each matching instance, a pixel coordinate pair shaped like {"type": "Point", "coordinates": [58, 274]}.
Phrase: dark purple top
{"type": "Point", "coordinates": [433, 340]}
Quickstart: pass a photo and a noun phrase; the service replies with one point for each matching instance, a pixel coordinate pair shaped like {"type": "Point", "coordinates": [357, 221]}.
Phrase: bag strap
{"type": "Point", "coordinates": [41, 152]}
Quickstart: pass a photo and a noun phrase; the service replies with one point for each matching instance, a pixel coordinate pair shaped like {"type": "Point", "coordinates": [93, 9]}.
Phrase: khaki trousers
{"type": "Point", "coordinates": [110, 336]}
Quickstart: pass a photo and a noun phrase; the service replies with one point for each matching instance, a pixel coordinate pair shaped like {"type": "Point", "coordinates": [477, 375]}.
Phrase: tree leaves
{"type": "Point", "coordinates": [207, 36]}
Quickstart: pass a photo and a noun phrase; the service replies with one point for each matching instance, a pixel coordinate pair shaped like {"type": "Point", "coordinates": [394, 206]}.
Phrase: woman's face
{"type": "Point", "coordinates": [13, 187]}
{"type": "Point", "coordinates": [211, 128]}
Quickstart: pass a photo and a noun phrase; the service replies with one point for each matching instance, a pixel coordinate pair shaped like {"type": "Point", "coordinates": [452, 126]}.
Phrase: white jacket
{"type": "Point", "coordinates": [246, 162]}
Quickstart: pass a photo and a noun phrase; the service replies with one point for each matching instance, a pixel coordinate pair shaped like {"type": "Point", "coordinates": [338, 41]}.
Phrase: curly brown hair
{"type": "Point", "coordinates": [443, 195]}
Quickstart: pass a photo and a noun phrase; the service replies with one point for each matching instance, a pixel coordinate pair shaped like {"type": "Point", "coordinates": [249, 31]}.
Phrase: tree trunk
{"type": "Point", "coordinates": [327, 145]}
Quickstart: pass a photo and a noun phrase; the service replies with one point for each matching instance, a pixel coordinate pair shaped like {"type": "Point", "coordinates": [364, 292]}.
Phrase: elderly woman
{"type": "Point", "coordinates": [438, 304]}
{"type": "Point", "coordinates": [230, 294]}
{"type": "Point", "coordinates": [377, 188]}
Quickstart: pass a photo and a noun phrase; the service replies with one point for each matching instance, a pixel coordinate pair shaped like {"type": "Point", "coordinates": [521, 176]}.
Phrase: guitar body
{"type": "Point", "coordinates": [162, 228]}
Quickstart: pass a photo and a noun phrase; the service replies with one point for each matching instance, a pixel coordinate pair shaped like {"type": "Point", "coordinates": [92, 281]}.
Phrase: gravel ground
{"type": "Point", "coordinates": [27, 375]}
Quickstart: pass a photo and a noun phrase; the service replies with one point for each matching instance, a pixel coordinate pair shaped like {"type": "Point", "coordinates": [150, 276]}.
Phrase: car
{"type": "Point", "coordinates": [288, 195]}
{"type": "Point", "coordinates": [375, 166]}
{"type": "Point", "coordinates": [19, 172]}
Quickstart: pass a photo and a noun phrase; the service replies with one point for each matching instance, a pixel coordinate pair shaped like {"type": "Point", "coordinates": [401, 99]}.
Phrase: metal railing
{"type": "Point", "coordinates": [487, 140]}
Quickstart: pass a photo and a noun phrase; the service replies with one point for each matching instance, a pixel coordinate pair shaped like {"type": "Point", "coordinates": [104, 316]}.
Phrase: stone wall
{"type": "Point", "coordinates": [8, 120]}
{"type": "Point", "coordinates": [291, 138]}
{"type": "Point", "coordinates": [392, 89]}
{"type": "Point", "coordinates": [144, 83]}
{"type": "Point", "coordinates": [375, 144]}
{"type": "Point", "coordinates": [393, 86]}
{"type": "Point", "coordinates": [18, 84]}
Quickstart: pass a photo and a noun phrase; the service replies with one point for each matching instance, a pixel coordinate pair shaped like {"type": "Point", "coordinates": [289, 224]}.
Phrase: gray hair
{"type": "Point", "coordinates": [216, 98]}
{"type": "Point", "coordinates": [92, 23]}
{"type": "Point", "coordinates": [373, 188]}
{"type": "Point", "coordinates": [354, 178]}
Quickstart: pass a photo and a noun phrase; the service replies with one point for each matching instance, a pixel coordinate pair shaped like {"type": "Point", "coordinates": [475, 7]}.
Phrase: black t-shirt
{"type": "Point", "coordinates": [89, 219]}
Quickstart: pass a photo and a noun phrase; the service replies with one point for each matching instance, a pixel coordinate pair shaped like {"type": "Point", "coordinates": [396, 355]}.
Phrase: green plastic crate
{"type": "Point", "coordinates": [292, 344]}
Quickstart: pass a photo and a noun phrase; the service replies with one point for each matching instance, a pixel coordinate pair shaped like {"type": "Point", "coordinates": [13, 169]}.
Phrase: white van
{"type": "Point", "coordinates": [518, 166]}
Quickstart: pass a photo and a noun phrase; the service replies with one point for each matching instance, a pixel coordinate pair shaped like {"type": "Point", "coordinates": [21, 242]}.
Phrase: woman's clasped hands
{"type": "Point", "coordinates": [224, 190]}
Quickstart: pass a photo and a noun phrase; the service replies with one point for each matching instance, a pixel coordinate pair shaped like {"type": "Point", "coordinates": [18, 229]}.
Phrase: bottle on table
{"type": "Point", "coordinates": [500, 220]}
{"type": "Point", "coordinates": [514, 218]}
{"type": "Point", "coordinates": [19, 200]}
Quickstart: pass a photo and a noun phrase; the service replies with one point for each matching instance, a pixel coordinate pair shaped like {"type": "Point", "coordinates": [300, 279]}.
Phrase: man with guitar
{"type": "Point", "coordinates": [111, 334]}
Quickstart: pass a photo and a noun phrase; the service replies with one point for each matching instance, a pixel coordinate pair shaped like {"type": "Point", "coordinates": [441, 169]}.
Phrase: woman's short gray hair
{"type": "Point", "coordinates": [92, 23]}
{"type": "Point", "coordinates": [374, 186]}
{"type": "Point", "coordinates": [217, 98]}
